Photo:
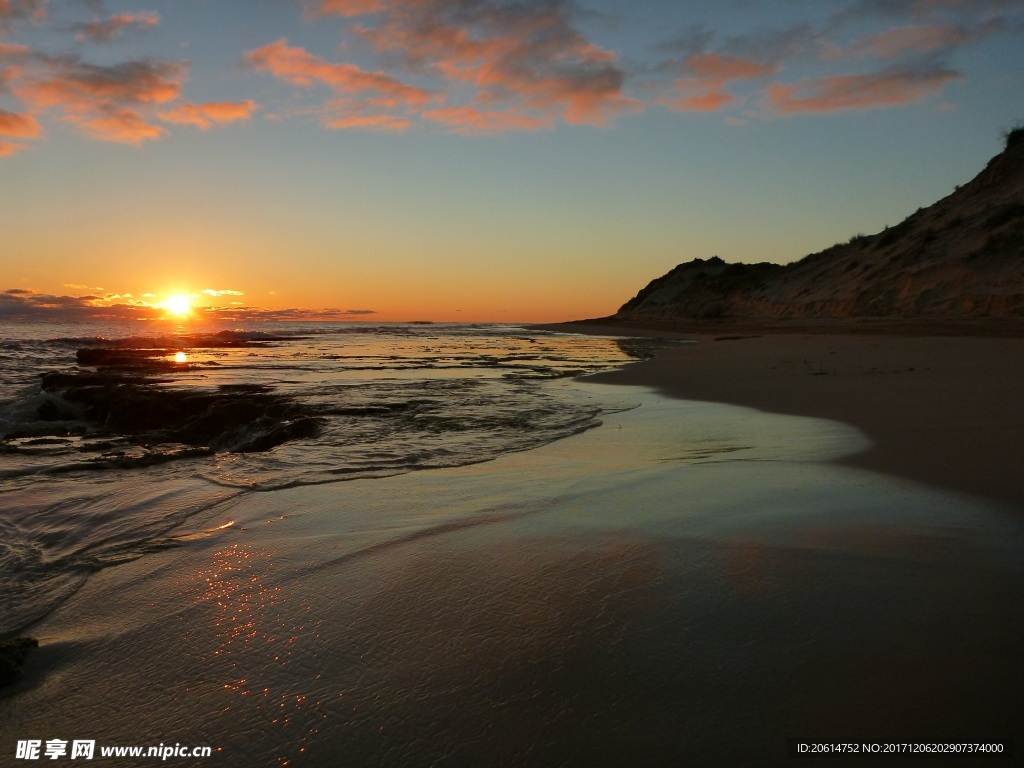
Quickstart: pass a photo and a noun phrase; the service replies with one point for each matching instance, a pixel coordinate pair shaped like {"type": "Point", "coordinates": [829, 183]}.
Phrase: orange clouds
{"type": "Point", "coordinates": [470, 120]}
{"type": "Point", "coordinates": [890, 87]}
{"type": "Point", "coordinates": [387, 123]}
{"type": "Point", "coordinates": [103, 101]}
{"type": "Point", "coordinates": [76, 85]}
{"type": "Point", "coordinates": [474, 66]}
{"type": "Point", "coordinates": [22, 126]}
{"type": "Point", "coordinates": [380, 92]}
{"type": "Point", "coordinates": [205, 116]}
{"type": "Point", "coordinates": [347, 7]}
{"type": "Point", "coordinates": [704, 90]}
{"type": "Point", "coordinates": [113, 102]}
{"type": "Point", "coordinates": [299, 67]}
{"type": "Point", "coordinates": [721, 68]}
{"type": "Point", "coordinates": [17, 126]}
{"type": "Point", "coordinates": [514, 66]}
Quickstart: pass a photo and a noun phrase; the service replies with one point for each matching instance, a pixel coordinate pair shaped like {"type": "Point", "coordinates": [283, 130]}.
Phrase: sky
{"type": "Point", "coordinates": [475, 160]}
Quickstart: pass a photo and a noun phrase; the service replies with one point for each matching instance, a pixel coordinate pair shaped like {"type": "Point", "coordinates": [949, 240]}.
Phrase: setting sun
{"type": "Point", "coordinates": [178, 304]}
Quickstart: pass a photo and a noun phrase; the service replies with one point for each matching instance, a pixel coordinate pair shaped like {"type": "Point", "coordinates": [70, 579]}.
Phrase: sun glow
{"type": "Point", "coordinates": [179, 304]}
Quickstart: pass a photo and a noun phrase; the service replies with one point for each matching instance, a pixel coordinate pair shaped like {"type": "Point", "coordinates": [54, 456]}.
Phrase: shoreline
{"type": "Point", "coordinates": [984, 327]}
{"type": "Point", "coordinates": [691, 583]}
{"type": "Point", "coordinates": [622, 596]}
{"type": "Point", "coordinates": [945, 411]}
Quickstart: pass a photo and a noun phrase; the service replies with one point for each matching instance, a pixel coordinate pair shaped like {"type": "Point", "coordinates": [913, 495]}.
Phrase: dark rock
{"type": "Point", "coordinates": [12, 657]}
{"type": "Point", "coordinates": [234, 418]}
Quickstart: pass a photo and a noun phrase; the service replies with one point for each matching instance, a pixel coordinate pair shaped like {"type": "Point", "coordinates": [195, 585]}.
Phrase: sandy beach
{"type": "Point", "coordinates": [691, 583]}
{"type": "Point", "coordinates": [946, 411]}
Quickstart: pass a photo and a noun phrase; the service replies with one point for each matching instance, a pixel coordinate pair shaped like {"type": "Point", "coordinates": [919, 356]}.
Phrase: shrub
{"type": "Point", "coordinates": [1014, 136]}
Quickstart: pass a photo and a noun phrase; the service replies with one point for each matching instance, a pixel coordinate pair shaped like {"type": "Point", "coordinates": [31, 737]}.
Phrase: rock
{"type": "Point", "coordinates": [12, 656]}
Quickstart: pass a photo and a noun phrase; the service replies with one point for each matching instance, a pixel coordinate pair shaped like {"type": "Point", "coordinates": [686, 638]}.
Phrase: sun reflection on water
{"type": "Point", "coordinates": [254, 631]}
{"type": "Point", "coordinates": [241, 594]}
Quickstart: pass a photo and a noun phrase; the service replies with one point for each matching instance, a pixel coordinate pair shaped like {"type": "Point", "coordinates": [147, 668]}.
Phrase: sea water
{"type": "Point", "coordinates": [102, 463]}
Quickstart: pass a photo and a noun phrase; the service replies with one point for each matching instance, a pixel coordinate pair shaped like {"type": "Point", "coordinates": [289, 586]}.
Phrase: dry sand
{"type": "Point", "coordinates": [945, 411]}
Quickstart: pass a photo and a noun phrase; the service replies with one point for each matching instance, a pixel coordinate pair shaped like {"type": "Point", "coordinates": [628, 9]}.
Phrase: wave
{"type": "Point", "coordinates": [110, 445]}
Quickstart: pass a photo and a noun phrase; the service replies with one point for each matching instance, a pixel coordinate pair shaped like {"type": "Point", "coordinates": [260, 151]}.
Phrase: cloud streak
{"type": "Point", "coordinates": [890, 87]}
{"type": "Point", "coordinates": [709, 74]}
{"type": "Point", "coordinates": [19, 304]}
{"type": "Point", "coordinates": [299, 67]}
{"type": "Point", "coordinates": [206, 116]}
{"type": "Point", "coordinates": [107, 29]}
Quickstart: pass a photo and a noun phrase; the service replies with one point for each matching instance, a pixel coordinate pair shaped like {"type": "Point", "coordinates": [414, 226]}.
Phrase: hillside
{"type": "Point", "coordinates": [961, 258]}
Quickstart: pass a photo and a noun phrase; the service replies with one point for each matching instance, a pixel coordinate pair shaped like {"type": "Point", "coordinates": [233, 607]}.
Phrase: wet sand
{"type": "Point", "coordinates": [691, 584]}
{"type": "Point", "coordinates": [947, 411]}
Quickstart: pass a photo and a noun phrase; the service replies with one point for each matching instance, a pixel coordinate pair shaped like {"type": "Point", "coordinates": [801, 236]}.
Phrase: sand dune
{"type": "Point", "coordinates": [962, 257]}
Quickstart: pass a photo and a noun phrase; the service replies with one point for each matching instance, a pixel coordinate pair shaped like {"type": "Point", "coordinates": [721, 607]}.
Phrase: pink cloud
{"type": "Point", "coordinates": [890, 87]}
{"type": "Point", "coordinates": [923, 38]}
{"type": "Point", "coordinates": [114, 26]}
{"type": "Point", "coordinates": [387, 123]}
{"type": "Point", "coordinates": [12, 51]}
{"type": "Point", "coordinates": [299, 67]}
{"type": "Point", "coordinates": [22, 126]}
{"type": "Point", "coordinates": [12, 57]}
{"type": "Point", "coordinates": [104, 102]}
{"type": "Point", "coordinates": [9, 148]}
{"type": "Point", "coordinates": [518, 58]}
{"type": "Point", "coordinates": [704, 90]}
{"type": "Point", "coordinates": [470, 120]}
{"type": "Point", "coordinates": [124, 126]}
{"type": "Point", "coordinates": [73, 82]}
{"type": "Point", "coordinates": [22, 9]}
{"type": "Point", "coordinates": [205, 116]}
{"type": "Point", "coordinates": [347, 7]}
{"type": "Point", "coordinates": [113, 102]}
{"type": "Point", "coordinates": [720, 67]}
{"type": "Point", "coordinates": [709, 101]}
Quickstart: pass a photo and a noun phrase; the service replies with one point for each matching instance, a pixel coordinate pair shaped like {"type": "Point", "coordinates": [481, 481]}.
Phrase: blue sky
{"type": "Point", "coordinates": [475, 159]}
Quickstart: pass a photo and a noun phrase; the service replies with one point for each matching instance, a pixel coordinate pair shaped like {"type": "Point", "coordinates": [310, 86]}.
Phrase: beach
{"type": "Point", "coordinates": [691, 582]}
{"type": "Point", "coordinates": [944, 410]}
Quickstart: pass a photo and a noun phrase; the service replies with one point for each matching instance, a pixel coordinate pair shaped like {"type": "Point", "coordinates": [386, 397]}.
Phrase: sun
{"type": "Point", "coordinates": [179, 304]}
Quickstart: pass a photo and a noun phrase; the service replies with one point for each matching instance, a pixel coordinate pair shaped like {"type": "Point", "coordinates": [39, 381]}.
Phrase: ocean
{"type": "Point", "coordinates": [115, 440]}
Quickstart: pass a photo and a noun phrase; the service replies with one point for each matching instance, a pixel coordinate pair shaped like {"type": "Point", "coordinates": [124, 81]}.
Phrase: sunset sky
{"type": "Point", "coordinates": [470, 159]}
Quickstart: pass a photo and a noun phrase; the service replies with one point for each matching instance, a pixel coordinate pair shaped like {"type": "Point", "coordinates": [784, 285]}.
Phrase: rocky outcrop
{"type": "Point", "coordinates": [963, 257]}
